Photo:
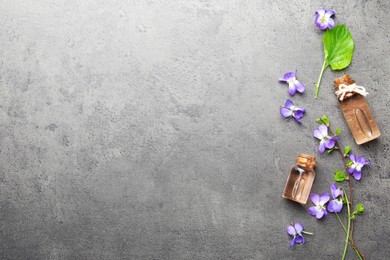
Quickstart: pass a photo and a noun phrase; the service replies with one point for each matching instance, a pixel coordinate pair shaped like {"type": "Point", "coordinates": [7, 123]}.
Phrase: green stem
{"type": "Point", "coordinates": [348, 227]}
{"type": "Point", "coordinates": [357, 253]}
{"type": "Point", "coordinates": [324, 66]}
{"type": "Point", "coordinates": [341, 223]}
{"type": "Point", "coordinates": [307, 233]}
{"type": "Point", "coordinates": [345, 230]}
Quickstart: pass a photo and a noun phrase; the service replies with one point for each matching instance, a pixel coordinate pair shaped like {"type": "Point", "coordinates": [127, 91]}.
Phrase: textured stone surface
{"type": "Point", "coordinates": [150, 129]}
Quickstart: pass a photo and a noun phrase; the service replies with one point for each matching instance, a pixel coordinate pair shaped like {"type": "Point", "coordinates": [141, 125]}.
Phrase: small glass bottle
{"type": "Point", "coordinates": [355, 109]}
{"type": "Point", "coordinates": [300, 179]}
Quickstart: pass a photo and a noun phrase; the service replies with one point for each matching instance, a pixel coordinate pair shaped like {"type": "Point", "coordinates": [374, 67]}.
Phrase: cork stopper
{"type": "Point", "coordinates": [306, 160]}
{"type": "Point", "coordinates": [346, 79]}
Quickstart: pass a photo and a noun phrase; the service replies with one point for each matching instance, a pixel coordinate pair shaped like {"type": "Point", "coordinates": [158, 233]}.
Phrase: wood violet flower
{"type": "Point", "coordinates": [296, 231]}
{"type": "Point", "coordinates": [355, 165]}
{"type": "Point", "coordinates": [324, 19]}
{"type": "Point", "coordinates": [293, 84]}
{"type": "Point", "coordinates": [289, 110]}
{"type": "Point", "coordinates": [326, 141]}
{"type": "Point", "coordinates": [319, 210]}
{"type": "Point", "coordinates": [335, 205]}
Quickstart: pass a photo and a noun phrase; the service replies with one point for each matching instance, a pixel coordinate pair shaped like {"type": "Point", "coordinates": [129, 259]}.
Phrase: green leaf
{"type": "Point", "coordinates": [338, 47]}
{"type": "Point", "coordinates": [347, 150]}
{"type": "Point", "coordinates": [339, 176]}
{"type": "Point", "coordinates": [330, 150]}
{"type": "Point", "coordinates": [325, 120]}
{"type": "Point", "coordinates": [338, 50]}
{"type": "Point", "coordinates": [359, 209]}
{"type": "Point", "coordinates": [349, 163]}
{"type": "Point", "coordinates": [338, 132]}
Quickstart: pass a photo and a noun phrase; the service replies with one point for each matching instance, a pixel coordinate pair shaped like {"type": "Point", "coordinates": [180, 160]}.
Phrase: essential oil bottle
{"type": "Point", "coordinates": [300, 179]}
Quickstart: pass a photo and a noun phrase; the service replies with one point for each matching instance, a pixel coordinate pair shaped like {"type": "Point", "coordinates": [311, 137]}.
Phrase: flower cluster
{"type": "Point", "coordinates": [326, 141]}
{"type": "Point", "coordinates": [355, 165]}
{"type": "Point", "coordinates": [338, 55]}
{"type": "Point", "coordinates": [323, 19]}
{"type": "Point", "coordinates": [293, 84]}
{"type": "Point", "coordinates": [320, 208]}
{"type": "Point", "coordinates": [296, 231]}
{"type": "Point", "coordinates": [289, 110]}
{"type": "Point", "coordinates": [336, 205]}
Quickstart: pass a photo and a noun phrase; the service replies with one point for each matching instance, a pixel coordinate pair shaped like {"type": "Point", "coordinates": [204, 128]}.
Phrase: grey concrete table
{"type": "Point", "coordinates": [150, 129]}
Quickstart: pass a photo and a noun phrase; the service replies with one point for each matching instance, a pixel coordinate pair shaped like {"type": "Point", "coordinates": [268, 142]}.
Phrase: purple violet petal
{"type": "Point", "coordinates": [365, 162]}
{"type": "Point", "coordinates": [321, 11]}
{"type": "Point", "coordinates": [335, 191]}
{"type": "Point", "coordinates": [299, 86]}
{"type": "Point", "coordinates": [297, 119]}
{"type": "Point", "coordinates": [322, 25]}
{"type": "Point", "coordinates": [320, 214]}
{"type": "Point", "coordinates": [323, 129]}
{"type": "Point", "coordinates": [325, 212]}
{"type": "Point", "coordinates": [333, 188]}
{"type": "Point", "coordinates": [361, 160]}
{"type": "Point", "coordinates": [315, 198]}
{"type": "Point", "coordinates": [357, 175]}
{"type": "Point", "coordinates": [291, 230]}
{"type": "Point", "coordinates": [317, 19]}
{"type": "Point", "coordinates": [299, 112]}
{"type": "Point", "coordinates": [292, 242]}
{"type": "Point", "coordinates": [289, 104]}
{"type": "Point", "coordinates": [317, 134]}
{"type": "Point", "coordinates": [324, 198]}
{"type": "Point", "coordinates": [285, 112]}
{"type": "Point", "coordinates": [318, 24]}
{"type": "Point", "coordinates": [298, 227]}
{"type": "Point", "coordinates": [291, 89]}
{"type": "Point", "coordinates": [335, 206]}
{"type": "Point", "coordinates": [321, 148]}
{"type": "Point", "coordinates": [330, 144]}
{"type": "Point", "coordinates": [299, 239]}
{"type": "Point", "coordinates": [352, 157]}
{"type": "Point", "coordinates": [312, 211]}
{"type": "Point", "coordinates": [329, 13]}
{"type": "Point", "coordinates": [289, 76]}
{"type": "Point", "coordinates": [330, 23]}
